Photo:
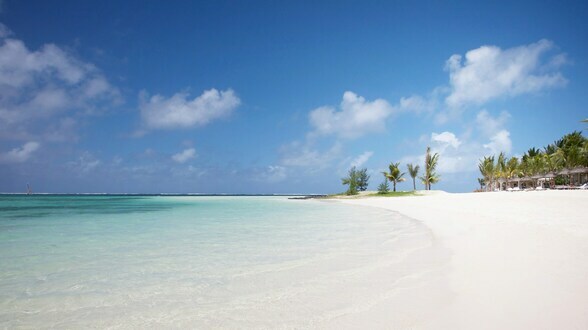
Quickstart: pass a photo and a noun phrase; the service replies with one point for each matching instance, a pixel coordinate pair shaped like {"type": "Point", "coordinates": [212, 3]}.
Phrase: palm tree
{"type": "Point", "coordinates": [584, 154]}
{"type": "Point", "coordinates": [500, 169]}
{"type": "Point", "coordinates": [533, 152]}
{"type": "Point", "coordinates": [430, 176]}
{"type": "Point", "coordinates": [481, 183]}
{"type": "Point", "coordinates": [511, 170]}
{"type": "Point", "coordinates": [569, 152]}
{"type": "Point", "coordinates": [394, 175]}
{"type": "Point", "coordinates": [413, 171]}
{"type": "Point", "coordinates": [486, 167]}
{"type": "Point", "coordinates": [573, 151]}
{"type": "Point", "coordinates": [535, 166]}
{"type": "Point", "coordinates": [526, 169]}
{"type": "Point", "coordinates": [551, 148]}
{"type": "Point", "coordinates": [425, 178]}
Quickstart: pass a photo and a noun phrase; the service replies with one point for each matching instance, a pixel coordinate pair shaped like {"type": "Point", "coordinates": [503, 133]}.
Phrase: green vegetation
{"type": "Point", "coordinates": [430, 176]}
{"type": "Point", "coordinates": [363, 179]}
{"type": "Point", "coordinates": [561, 162]}
{"type": "Point", "coordinates": [357, 180]}
{"type": "Point", "coordinates": [413, 171]}
{"type": "Point", "coordinates": [395, 194]}
{"type": "Point", "coordinates": [394, 175]}
{"type": "Point", "coordinates": [337, 195]}
{"type": "Point", "coordinates": [481, 183]}
{"type": "Point", "coordinates": [384, 187]}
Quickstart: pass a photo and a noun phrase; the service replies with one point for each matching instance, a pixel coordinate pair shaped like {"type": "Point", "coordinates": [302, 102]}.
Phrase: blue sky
{"type": "Point", "coordinates": [278, 96]}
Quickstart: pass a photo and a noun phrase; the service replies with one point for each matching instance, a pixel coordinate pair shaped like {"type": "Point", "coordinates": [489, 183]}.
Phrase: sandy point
{"type": "Point", "coordinates": [519, 260]}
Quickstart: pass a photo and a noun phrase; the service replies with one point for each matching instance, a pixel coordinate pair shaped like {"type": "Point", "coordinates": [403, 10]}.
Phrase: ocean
{"type": "Point", "coordinates": [105, 261]}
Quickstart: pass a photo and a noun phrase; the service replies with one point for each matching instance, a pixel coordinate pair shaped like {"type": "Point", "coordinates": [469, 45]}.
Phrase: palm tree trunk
{"type": "Point", "coordinates": [394, 185]}
{"type": "Point", "coordinates": [413, 184]}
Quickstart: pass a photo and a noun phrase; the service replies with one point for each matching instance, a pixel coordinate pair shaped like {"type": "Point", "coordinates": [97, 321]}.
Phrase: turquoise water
{"type": "Point", "coordinates": [152, 261]}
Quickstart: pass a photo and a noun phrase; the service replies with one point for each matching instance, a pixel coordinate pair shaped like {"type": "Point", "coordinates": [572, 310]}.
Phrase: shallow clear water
{"type": "Point", "coordinates": [230, 262]}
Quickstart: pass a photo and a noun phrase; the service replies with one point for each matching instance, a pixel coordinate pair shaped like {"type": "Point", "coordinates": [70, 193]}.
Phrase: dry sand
{"type": "Point", "coordinates": [518, 260]}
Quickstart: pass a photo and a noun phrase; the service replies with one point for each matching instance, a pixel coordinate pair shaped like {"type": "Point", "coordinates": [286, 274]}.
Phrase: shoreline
{"type": "Point", "coordinates": [518, 260]}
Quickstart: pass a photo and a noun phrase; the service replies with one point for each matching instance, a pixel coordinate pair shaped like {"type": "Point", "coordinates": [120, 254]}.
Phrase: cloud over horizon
{"type": "Point", "coordinates": [179, 111]}
{"type": "Point", "coordinates": [356, 117]}
{"type": "Point", "coordinates": [486, 135]}
{"type": "Point", "coordinates": [19, 155]}
{"type": "Point", "coordinates": [184, 156]}
{"type": "Point", "coordinates": [39, 88]}
{"type": "Point", "coordinates": [52, 97]}
{"type": "Point", "coordinates": [306, 155]}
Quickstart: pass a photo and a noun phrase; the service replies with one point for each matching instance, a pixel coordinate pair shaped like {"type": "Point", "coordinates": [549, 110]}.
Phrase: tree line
{"type": "Point", "coordinates": [567, 153]}
{"type": "Point", "coordinates": [358, 180]}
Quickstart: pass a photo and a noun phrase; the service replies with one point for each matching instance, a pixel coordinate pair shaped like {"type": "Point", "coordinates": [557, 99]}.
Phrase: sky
{"type": "Point", "coordinates": [279, 96]}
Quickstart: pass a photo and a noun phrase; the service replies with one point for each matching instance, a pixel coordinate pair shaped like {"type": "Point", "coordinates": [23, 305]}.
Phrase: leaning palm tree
{"type": "Point", "coordinates": [430, 176]}
{"type": "Point", "coordinates": [394, 175]}
{"type": "Point", "coordinates": [413, 171]}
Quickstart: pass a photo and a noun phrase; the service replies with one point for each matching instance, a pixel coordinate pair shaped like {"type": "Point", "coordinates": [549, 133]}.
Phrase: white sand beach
{"type": "Point", "coordinates": [517, 261]}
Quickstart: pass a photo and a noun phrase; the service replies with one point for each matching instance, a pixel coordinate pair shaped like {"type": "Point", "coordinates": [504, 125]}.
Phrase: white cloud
{"type": "Point", "coordinates": [417, 104]}
{"type": "Point", "coordinates": [62, 130]}
{"type": "Point", "coordinates": [19, 155]}
{"type": "Point", "coordinates": [491, 125]}
{"type": "Point", "coordinates": [50, 100]}
{"type": "Point", "coordinates": [462, 155]}
{"type": "Point", "coordinates": [489, 72]}
{"type": "Point", "coordinates": [179, 111]}
{"type": "Point", "coordinates": [296, 154]}
{"type": "Point", "coordinates": [20, 67]}
{"type": "Point", "coordinates": [500, 142]}
{"type": "Point", "coordinates": [184, 156]}
{"type": "Point", "coordinates": [454, 155]}
{"type": "Point", "coordinates": [4, 31]}
{"type": "Point", "coordinates": [85, 163]}
{"type": "Point", "coordinates": [493, 129]}
{"type": "Point", "coordinates": [361, 159]}
{"type": "Point", "coordinates": [271, 174]}
{"type": "Point", "coordinates": [39, 86]}
{"type": "Point", "coordinates": [446, 139]}
{"type": "Point", "coordinates": [355, 118]}
{"type": "Point", "coordinates": [96, 87]}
